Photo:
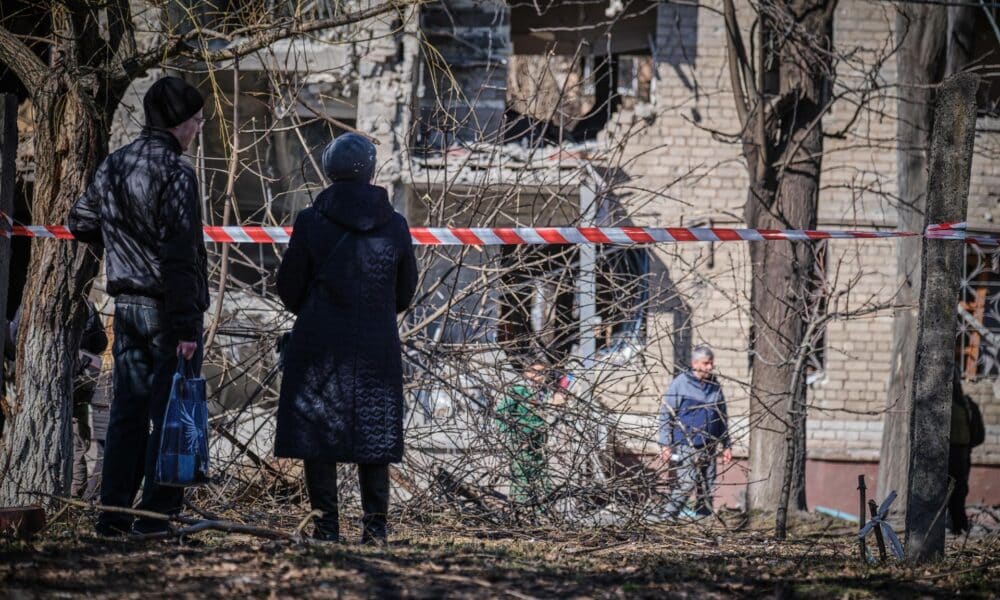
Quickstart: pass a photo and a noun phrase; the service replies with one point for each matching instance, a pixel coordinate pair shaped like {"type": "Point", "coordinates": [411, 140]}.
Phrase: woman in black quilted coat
{"type": "Point", "coordinates": [348, 271]}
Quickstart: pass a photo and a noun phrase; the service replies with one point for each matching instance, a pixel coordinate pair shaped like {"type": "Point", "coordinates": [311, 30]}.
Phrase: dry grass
{"type": "Point", "coordinates": [446, 559]}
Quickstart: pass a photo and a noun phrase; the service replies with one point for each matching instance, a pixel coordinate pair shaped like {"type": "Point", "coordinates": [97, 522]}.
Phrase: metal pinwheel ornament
{"type": "Point", "coordinates": [879, 521]}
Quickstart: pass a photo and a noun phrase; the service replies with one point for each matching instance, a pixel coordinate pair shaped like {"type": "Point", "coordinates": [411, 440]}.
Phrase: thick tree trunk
{"type": "Point", "coordinates": [930, 418]}
{"type": "Point", "coordinates": [934, 41]}
{"type": "Point", "coordinates": [783, 272]}
{"type": "Point", "coordinates": [70, 141]}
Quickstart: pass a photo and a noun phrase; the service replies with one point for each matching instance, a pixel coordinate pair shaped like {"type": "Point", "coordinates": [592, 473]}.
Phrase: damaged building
{"type": "Point", "coordinates": [584, 113]}
{"type": "Point", "coordinates": [521, 105]}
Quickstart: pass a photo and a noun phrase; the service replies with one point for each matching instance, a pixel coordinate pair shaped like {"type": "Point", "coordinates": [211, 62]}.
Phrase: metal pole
{"type": "Point", "coordinates": [861, 517]}
{"type": "Point", "coordinates": [586, 296]}
{"type": "Point", "coordinates": [589, 319]}
{"type": "Point", "coordinates": [878, 532]}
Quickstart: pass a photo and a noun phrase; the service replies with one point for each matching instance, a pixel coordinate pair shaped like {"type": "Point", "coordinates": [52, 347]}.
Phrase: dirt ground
{"type": "Point", "coordinates": [451, 561]}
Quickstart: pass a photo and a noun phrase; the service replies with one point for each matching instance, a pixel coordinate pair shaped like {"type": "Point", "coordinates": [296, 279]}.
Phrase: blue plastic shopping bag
{"type": "Point", "coordinates": [183, 457]}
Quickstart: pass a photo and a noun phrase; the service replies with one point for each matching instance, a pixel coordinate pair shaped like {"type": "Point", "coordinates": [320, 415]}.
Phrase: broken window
{"type": "Point", "coordinates": [574, 66]}
{"type": "Point", "coordinates": [635, 79]}
{"type": "Point", "coordinates": [536, 301]}
{"type": "Point", "coordinates": [525, 299]}
{"type": "Point", "coordinates": [285, 119]}
{"type": "Point", "coordinates": [986, 53]}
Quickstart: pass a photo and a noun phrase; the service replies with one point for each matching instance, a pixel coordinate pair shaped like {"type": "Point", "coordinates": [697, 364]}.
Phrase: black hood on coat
{"type": "Point", "coordinates": [355, 205]}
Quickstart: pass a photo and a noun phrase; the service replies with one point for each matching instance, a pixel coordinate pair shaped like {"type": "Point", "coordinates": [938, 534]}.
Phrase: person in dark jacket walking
{"type": "Point", "coordinates": [143, 208]}
{"type": "Point", "coordinates": [693, 426]}
{"type": "Point", "coordinates": [348, 271]}
{"type": "Point", "coordinates": [966, 433]}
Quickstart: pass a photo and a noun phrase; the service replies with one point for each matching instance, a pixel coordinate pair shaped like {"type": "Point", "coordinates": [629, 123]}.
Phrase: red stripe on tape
{"type": "Point", "coordinates": [949, 226]}
{"type": "Point", "coordinates": [466, 237]}
{"type": "Point", "coordinates": [594, 234]}
{"type": "Point", "coordinates": [218, 234]}
{"type": "Point", "coordinates": [551, 235]}
{"type": "Point", "coordinates": [638, 234]}
{"type": "Point", "coordinates": [60, 232]}
{"type": "Point", "coordinates": [258, 235]}
{"type": "Point", "coordinates": [424, 237]}
{"type": "Point", "coordinates": [727, 235]}
{"type": "Point", "coordinates": [681, 234]}
{"type": "Point", "coordinates": [508, 236]}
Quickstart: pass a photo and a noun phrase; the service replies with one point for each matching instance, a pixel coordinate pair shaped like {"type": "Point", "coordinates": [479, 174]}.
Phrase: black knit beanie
{"type": "Point", "coordinates": [350, 157]}
{"type": "Point", "coordinates": [171, 101]}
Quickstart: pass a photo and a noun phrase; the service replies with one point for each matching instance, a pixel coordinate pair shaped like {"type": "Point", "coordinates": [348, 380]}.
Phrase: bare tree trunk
{"type": "Point", "coordinates": [70, 141]}
{"type": "Point", "coordinates": [934, 41]}
{"type": "Point", "coordinates": [930, 420]}
{"type": "Point", "coordinates": [783, 272]}
{"type": "Point", "coordinates": [778, 297]}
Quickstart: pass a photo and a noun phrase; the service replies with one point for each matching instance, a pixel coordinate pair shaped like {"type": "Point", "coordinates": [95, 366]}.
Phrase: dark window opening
{"type": "Point", "coordinates": [280, 159]}
{"type": "Point", "coordinates": [536, 302]}
{"type": "Point", "coordinates": [986, 53]}
{"type": "Point", "coordinates": [531, 310]}
{"type": "Point", "coordinates": [556, 100]}
{"type": "Point", "coordinates": [573, 67]}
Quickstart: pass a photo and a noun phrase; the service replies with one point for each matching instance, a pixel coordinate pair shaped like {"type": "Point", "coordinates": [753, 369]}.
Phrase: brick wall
{"type": "Point", "coordinates": [693, 177]}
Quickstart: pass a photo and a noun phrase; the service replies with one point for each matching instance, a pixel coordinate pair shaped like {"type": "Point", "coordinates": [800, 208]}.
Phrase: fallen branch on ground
{"type": "Point", "coordinates": [192, 525]}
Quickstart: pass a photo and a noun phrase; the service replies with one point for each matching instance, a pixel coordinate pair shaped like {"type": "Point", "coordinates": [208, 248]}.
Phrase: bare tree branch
{"type": "Point", "coordinates": [19, 58]}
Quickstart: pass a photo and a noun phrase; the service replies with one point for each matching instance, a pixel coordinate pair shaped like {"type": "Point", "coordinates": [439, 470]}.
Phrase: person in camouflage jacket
{"type": "Point", "coordinates": [521, 421]}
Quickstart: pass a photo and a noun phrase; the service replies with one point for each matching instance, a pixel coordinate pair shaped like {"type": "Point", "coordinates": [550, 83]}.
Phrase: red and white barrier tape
{"type": "Point", "coordinates": [623, 235]}
{"type": "Point", "coordinates": [508, 236]}
{"type": "Point", "coordinates": [957, 231]}
{"type": "Point", "coordinates": [500, 236]}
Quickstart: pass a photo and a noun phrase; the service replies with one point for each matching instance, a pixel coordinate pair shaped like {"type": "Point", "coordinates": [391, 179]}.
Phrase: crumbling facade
{"type": "Point", "coordinates": [671, 148]}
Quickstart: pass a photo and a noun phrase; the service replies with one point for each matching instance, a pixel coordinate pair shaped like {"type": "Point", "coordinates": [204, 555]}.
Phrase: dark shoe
{"type": "Point", "coordinates": [375, 536]}
{"type": "Point", "coordinates": [375, 541]}
{"type": "Point", "coordinates": [150, 527]}
{"type": "Point", "coordinates": [108, 530]}
{"type": "Point", "coordinates": [325, 536]}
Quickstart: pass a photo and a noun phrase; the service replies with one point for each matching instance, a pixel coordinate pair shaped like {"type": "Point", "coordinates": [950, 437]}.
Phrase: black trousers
{"type": "Point", "coordinates": [321, 483]}
{"type": "Point", "coordinates": [959, 466]}
{"type": "Point", "coordinates": [145, 354]}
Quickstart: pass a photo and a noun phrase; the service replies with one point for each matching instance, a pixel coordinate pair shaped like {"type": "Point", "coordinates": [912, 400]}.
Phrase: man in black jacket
{"type": "Point", "coordinates": [143, 207]}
